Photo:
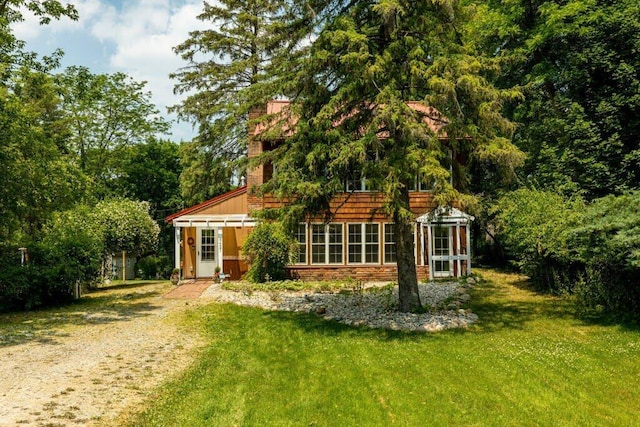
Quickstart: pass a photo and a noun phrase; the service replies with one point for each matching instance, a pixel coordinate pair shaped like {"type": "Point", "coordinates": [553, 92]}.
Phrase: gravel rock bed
{"type": "Point", "coordinates": [373, 306]}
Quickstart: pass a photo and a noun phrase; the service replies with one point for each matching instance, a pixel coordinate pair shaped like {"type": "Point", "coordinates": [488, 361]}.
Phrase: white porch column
{"type": "Point", "coordinates": [422, 244]}
{"type": "Point", "coordinates": [468, 236]}
{"type": "Point", "coordinates": [459, 250]}
{"type": "Point", "coordinates": [177, 248]}
{"type": "Point", "coordinates": [430, 251]}
{"type": "Point", "coordinates": [220, 246]}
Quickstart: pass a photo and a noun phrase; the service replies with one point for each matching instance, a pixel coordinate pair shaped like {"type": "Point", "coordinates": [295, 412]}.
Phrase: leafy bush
{"type": "Point", "coordinates": [531, 225]}
{"type": "Point", "coordinates": [69, 254]}
{"type": "Point", "coordinates": [607, 243]}
{"type": "Point", "coordinates": [592, 251]}
{"type": "Point", "coordinates": [268, 250]}
{"type": "Point", "coordinates": [55, 268]}
{"type": "Point", "coordinates": [126, 226]}
{"type": "Point", "coordinates": [151, 267]}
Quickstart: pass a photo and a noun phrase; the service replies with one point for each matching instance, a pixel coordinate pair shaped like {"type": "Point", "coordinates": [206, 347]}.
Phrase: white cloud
{"type": "Point", "coordinates": [144, 34]}
{"type": "Point", "coordinates": [139, 38]}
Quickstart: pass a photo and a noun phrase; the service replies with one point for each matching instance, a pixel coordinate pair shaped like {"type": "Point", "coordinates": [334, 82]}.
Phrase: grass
{"type": "Point", "coordinates": [528, 361]}
{"type": "Point", "coordinates": [294, 285]}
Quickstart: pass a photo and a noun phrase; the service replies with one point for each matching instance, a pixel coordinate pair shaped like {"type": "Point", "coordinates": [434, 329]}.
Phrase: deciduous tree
{"type": "Point", "coordinates": [578, 65]}
{"type": "Point", "coordinates": [106, 113]}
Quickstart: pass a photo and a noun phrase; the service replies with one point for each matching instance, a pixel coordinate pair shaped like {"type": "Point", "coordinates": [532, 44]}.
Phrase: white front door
{"type": "Point", "coordinates": [206, 252]}
{"type": "Point", "coordinates": [442, 251]}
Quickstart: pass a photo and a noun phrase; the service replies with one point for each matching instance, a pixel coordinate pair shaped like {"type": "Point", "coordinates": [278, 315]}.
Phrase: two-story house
{"type": "Point", "coordinates": [357, 243]}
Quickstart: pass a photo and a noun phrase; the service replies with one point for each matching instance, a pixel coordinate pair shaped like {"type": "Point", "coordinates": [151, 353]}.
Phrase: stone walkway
{"type": "Point", "coordinates": [189, 289]}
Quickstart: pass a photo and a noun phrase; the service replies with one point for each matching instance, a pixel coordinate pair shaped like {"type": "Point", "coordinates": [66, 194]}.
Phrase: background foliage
{"type": "Point", "coordinates": [566, 246]}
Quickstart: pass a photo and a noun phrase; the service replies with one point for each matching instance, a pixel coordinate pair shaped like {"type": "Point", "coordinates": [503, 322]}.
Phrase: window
{"type": "Point", "coordinates": [208, 245]}
{"type": "Point", "coordinates": [318, 242]}
{"type": "Point", "coordinates": [326, 244]}
{"type": "Point", "coordinates": [421, 183]}
{"type": "Point", "coordinates": [356, 183]}
{"type": "Point", "coordinates": [335, 243]}
{"type": "Point", "coordinates": [389, 244]}
{"type": "Point", "coordinates": [363, 243]}
{"type": "Point", "coordinates": [441, 250]}
{"type": "Point", "coordinates": [301, 238]}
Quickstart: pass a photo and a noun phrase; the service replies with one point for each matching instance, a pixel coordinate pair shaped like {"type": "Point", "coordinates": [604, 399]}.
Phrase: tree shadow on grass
{"type": "Point", "coordinates": [498, 306]}
{"type": "Point", "coordinates": [314, 324]}
{"type": "Point", "coordinates": [101, 307]}
{"type": "Point", "coordinates": [512, 306]}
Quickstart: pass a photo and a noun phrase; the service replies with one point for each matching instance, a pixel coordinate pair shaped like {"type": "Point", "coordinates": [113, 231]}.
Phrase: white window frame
{"type": "Point", "coordinates": [443, 257]}
{"type": "Point", "coordinates": [384, 245]}
{"type": "Point", "coordinates": [363, 243]}
{"type": "Point", "coordinates": [327, 244]}
{"type": "Point", "coordinates": [419, 184]}
{"type": "Point", "coordinates": [357, 185]}
{"type": "Point", "coordinates": [304, 244]}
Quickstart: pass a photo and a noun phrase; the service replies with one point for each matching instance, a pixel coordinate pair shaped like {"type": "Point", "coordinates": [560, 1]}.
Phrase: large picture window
{"type": "Point", "coordinates": [326, 244]}
{"type": "Point", "coordinates": [364, 243]}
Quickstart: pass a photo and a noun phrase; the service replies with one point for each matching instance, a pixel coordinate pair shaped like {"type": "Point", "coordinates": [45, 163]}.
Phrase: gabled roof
{"type": "Point", "coordinates": [279, 110]}
{"type": "Point", "coordinates": [218, 199]}
{"type": "Point", "coordinates": [445, 214]}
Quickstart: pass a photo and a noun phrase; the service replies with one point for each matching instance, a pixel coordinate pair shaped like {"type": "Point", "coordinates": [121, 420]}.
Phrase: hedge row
{"type": "Point", "coordinates": [52, 273]}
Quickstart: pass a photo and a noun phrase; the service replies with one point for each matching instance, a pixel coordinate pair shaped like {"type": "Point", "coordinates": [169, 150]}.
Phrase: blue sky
{"type": "Point", "coordinates": [134, 37]}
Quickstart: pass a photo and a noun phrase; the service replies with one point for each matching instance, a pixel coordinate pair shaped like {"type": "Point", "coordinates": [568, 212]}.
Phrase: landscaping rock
{"type": "Point", "coordinates": [375, 308]}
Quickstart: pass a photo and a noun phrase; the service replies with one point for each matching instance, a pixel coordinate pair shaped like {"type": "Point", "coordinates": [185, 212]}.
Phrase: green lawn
{"type": "Point", "coordinates": [528, 361]}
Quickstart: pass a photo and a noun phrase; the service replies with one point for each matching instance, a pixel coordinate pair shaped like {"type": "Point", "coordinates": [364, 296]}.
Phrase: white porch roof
{"type": "Point", "coordinates": [232, 220]}
{"type": "Point", "coordinates": [445, 215]}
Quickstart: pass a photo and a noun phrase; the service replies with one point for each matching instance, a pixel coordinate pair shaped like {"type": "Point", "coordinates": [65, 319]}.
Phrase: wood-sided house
{"type": "Point", "coordinates": [357, 243]}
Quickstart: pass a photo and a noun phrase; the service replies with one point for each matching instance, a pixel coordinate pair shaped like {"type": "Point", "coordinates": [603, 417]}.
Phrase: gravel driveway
{"type": "Point", "coordinates": [84, 364]}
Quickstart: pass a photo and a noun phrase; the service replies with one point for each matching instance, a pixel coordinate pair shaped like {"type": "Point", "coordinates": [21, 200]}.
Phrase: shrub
{"type": "Point", "coordinates": [268, 250]}
{"type": "Point", "coordinates": [68, 254]}
{"type": "Point", "coordinates": [607, 243]}
{"type": "Point", "coordinates": [532, 225]}
{"type": "Point", "coordinates": [590, 250]}
{"type": "Point", "coordinates": [151, 267]}
{"type": "Point", "coordinates": [54, 269]}
{"type": "Point", "coordinates": [126, 226]}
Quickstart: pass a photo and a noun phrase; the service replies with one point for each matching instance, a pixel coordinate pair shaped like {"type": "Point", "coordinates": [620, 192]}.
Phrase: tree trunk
{"type": "Point", "coordinates": [409, 298]}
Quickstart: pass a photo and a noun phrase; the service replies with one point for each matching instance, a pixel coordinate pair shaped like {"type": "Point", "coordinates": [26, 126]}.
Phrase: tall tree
{"type": "Point", "coordinates": [38, 175]}
{"type": "Point", "coordinates": [577, 62]}
{"type": "Point", "coordinates": [106, 113]}
{"type": "Point", "coordinates": [12, 53]}
{"type": "Point", "coordinates": [350, 105]}
{"type": "Point", "coordinates": [223, 61]}
{"type": "Point", "coordinates": [151, 173]}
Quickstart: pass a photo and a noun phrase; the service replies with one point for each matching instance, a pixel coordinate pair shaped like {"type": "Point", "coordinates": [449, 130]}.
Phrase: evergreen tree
{"type": "Point", "coordinates": [223, 63]}
{"type": "Point", "coordinates": [349, 99]}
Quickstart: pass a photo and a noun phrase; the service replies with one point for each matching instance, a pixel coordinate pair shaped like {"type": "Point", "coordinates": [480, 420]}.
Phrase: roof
{"type": "Point", "coordinates": [445, 214]}
{"type": "Point", "coordinates": [279, 109]}
{"type": "Point", "coordinates": [218, 199]}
